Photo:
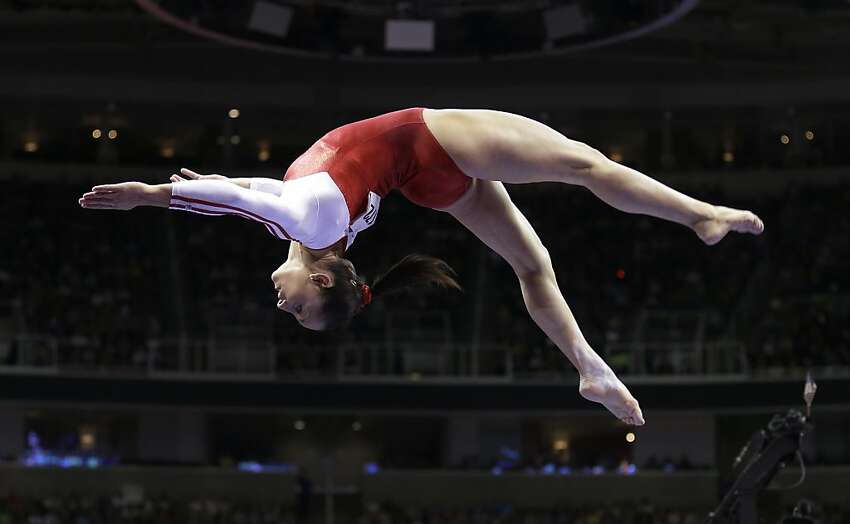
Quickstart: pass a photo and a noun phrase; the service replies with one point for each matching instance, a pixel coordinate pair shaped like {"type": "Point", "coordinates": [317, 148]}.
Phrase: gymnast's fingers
{"type": "Point", "coordinates": [176, 178]}
{"type": "Point", "coordinates": [105, 188]}
{"type": "Point", "coordinates": [106, 198]}
{"type": "Point", "coordinates": [88, 202]}
{"type": "Point", "coordinates": [100, 194]}
{"type": "Point", "coordinates": [188, 173]}
{"type": "Point", "coordinates": [97, 205]}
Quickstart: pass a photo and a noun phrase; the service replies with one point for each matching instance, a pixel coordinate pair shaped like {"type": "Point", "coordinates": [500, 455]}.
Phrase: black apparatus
{"type": "Point", "coordinates": [767, 452]}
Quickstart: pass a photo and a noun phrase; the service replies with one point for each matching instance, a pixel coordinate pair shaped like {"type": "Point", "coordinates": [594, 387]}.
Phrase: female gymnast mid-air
{"type": "Point", "coordinates": [450, 160]}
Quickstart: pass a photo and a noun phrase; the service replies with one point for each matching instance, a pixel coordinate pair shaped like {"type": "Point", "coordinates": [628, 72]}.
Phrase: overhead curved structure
{"type": "Point", "coordinates": [429, 30]}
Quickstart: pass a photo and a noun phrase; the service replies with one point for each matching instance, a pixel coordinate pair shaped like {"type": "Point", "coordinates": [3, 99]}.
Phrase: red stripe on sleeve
{"type": "Point", "coordinates": [237, 210]}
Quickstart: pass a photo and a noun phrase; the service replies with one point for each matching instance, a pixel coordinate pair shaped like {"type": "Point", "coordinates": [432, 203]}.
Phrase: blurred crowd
{"type": "Point", "coordinates": [633, 512]}
{"type": "Point", "coordinates": [803, 315]}
{"type": "Point", "coordinates": [72, 509]}
{"type": "Point", "coordinates": [620, 513]}
{"type": "Point", "coordinates": [122, 291]}
{"type": "Point", "coordinates": [592, 461]}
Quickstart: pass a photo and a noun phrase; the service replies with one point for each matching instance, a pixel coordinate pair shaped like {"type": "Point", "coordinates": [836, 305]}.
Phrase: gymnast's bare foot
{"type": "Point", "coordinates": [598, 383]}
{"type": "Point", "coordinates": [712, 231]}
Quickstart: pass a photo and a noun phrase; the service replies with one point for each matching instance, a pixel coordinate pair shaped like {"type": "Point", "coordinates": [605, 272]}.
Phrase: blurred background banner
{"type": "Point", "coordinates": [146, 376]}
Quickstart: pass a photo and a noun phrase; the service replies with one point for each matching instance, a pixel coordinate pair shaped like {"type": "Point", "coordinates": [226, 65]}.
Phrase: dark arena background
{"type": "Point", "coordinates": [147, 377]}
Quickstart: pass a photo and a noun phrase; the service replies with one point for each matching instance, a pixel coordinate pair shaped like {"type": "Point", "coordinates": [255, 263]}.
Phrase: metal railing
{"type": "Point", "coordinates": [413, 360]}
{"type": "Point", "coordinates": [725, 357]}
{"type": "Point", "coordinates": [157, 357]}
{"type": "Point", "coordinates": [31, 352]}
{"type": "Point", "coordinates": [372, 361]}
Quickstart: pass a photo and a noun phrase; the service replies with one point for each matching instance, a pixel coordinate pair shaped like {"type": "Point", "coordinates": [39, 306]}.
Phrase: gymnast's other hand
{"type": "Point", "coordinates": [123, 196]}
{"type": "Point", "coordinates": [188, 174]}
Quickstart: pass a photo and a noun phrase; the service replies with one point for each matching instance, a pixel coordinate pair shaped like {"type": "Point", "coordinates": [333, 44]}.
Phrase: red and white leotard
{"type": "Point", "coordinates": [334, 189]}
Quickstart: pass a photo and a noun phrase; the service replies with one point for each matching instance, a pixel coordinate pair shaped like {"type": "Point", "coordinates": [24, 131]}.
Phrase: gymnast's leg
{"type": "Point", "coordinates": [633, 192]}
{"type": "Point", "coordinates": [487, 211]}
{"type": "Point", "coordinates": [494, 145]}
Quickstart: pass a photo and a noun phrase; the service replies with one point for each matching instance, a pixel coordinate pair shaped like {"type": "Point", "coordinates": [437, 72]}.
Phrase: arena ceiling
{"type": "Point", "coordinates": [98, 51]}
{"type": "Point", "coordinates": [790, 35]}
{"type": "Point", "coordinates": [70, 65]}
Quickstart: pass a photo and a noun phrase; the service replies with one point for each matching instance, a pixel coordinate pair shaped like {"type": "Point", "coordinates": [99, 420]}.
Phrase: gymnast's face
{"type": "Point", "coordinates": [298, 288]}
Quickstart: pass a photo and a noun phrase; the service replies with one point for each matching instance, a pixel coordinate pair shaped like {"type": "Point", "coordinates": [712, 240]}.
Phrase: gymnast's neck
{"type": "Point", "coordinates": [308, 255]}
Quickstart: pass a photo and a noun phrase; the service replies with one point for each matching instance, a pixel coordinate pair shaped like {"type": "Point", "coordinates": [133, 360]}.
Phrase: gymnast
{"type": "Point", "coordinates": [451, 160]}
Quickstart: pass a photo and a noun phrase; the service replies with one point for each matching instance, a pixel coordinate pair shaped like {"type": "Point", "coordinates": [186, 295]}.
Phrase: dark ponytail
{"type": "Point", "coordinates": [349, 294]}
{"type": "Point", "coordinates": [415, 271]}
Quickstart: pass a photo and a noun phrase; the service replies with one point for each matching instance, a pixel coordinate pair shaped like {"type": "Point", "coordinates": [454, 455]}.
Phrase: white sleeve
{"type": "Point", "coordinates": [306, 209]}
{"type": "Point", "coordinates": [267, 185]}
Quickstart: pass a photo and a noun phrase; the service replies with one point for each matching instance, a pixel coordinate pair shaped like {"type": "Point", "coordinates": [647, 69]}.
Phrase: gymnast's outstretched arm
{"type": "Point", "coordinates": [289, 213]}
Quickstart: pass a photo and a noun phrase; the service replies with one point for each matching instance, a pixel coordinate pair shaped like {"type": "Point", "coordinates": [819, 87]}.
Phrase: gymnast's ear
{"type": "Point", "coordinates": [323, 280]}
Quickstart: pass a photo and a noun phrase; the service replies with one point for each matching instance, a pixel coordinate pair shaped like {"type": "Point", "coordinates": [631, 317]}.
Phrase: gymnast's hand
{"type": "Point", "coordinates": [124, 196]}
{"type": "Point", "coordinates": [188, 174]}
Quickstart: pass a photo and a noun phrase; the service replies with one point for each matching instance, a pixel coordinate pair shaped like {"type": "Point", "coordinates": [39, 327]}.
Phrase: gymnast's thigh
{"type": "Point", "coordinates": [495, 145]}
{"type": "Point", "coordinates": [488, 212]}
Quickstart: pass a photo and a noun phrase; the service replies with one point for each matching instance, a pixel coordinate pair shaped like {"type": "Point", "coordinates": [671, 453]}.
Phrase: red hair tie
{"type": "Point", "coordinates": [367, 295]}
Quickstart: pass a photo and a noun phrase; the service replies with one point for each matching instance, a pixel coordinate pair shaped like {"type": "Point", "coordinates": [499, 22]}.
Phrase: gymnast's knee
{"type": "Point", "coordinates": [582, 164]}
{"type": "Point", "coordinates": [536, 269]}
